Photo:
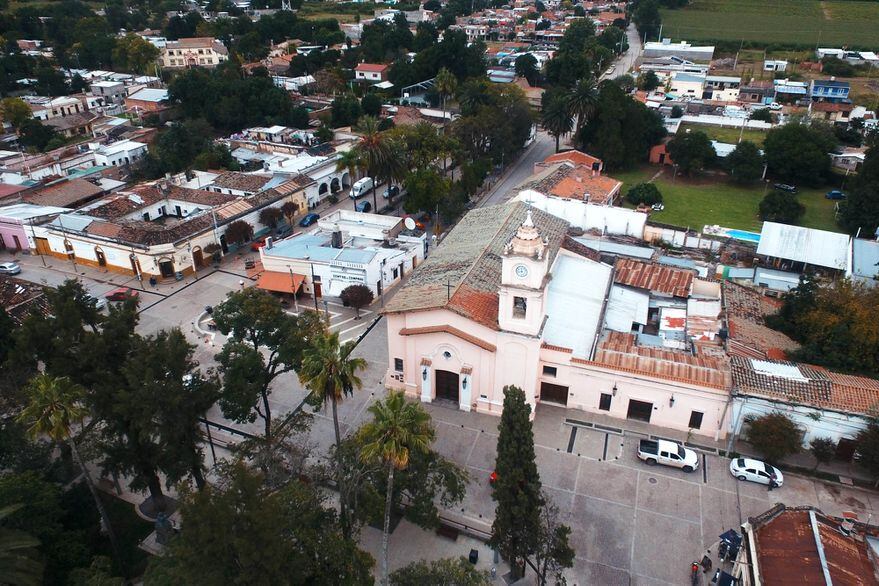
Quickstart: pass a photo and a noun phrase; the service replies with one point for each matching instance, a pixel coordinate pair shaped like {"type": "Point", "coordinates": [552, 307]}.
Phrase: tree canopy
{"type": "Point", "coordinates": [691, 151]}
{"type": "Point", "coordinates": [798, 152]}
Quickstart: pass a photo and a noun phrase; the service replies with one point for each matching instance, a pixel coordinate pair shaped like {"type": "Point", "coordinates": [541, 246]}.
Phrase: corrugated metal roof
{"type": "Point", "coordinates": [807, 245]}
{"type": "Point", "coordinates": [865, 258]}
{"type": "Point", "coordinates": [653, 277]}
{"type": "Point", "coordinates": [625, 307]}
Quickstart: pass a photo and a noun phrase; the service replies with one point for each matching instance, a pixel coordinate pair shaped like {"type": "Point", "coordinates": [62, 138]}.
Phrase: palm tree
{"type": "Point", "coordinates": [349, 161]}
{"type": "Point", "coordinates": [397, 429]}
{"type": "Point", "coordinates": [17, 565]}
{"type": "Point", "coordinates": [583, 101]}
{"type": "Point", "coordinates": [53, 408]}
{"type": "Point", "coordinates": [377, 154]}
{"type": "Point", "coordinates": [446, 85]}
{"type": "Point", "coordinates": [556, 119]}
{"type": "Point", "coordinates": [331, 374]}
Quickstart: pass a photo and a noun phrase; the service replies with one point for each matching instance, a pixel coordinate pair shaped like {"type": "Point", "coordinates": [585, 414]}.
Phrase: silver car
{"type": "Point", "coordinates": [9, 268]}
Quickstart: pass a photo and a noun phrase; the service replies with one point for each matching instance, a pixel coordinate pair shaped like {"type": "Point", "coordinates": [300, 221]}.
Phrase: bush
{"type": "Point", "coordinates": [646, 193]}
{"type": "Point", "coordinates": [239, 232]}
{"type": "Point", "coordinates": [775, 436]}
{"type": "Point", "coordinates": [823, 449]}
{"type": "Point", "coordinates": [781, 207]}
{"type": "Point", "coordinates": [676, 111]}
{"type": "Point", "coordinates": [356, 296]}
{"type": "Point", "coordinates": [762, 114]}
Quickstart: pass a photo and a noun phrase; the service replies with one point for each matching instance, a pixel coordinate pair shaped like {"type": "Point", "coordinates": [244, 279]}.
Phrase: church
{"type": "Point", "coordinates": [510, 297]}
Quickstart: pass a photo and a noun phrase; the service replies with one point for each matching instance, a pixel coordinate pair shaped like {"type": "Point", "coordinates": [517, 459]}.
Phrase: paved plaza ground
{"type": "Point", "coordinates": [631, 523]}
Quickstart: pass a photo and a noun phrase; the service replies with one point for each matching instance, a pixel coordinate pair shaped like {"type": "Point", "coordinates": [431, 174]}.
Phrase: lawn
{"type": "Point", "coordinates": [727, 134]}
{"type": "Point", "coordinates": [830, 23]}
{"type": "Point", "coordinates": [693, 203]}
{"type": "Point", "coordinates": [345, 12]}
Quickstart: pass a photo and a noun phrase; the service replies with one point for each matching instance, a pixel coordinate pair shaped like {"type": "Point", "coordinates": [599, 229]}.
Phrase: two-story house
{"type": "Point", "coordinates": [194, 52]}
{"type": "Point", "coordinates": [829, 90]}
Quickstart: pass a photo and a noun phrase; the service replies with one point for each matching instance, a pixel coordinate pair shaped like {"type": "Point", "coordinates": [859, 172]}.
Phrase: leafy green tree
{"type": "Point", "coordinates": [762, 114]}
{"type": "Point", "coordinates": [691, 151]}
{"type": "Point", "coordinates": [778, 206]}
{"type": "Point", "coordinates": [398, 427]}
{"type": "Point", "coordinates": [556, 118]}
{"type": "Point", "coordinates": [239, 232]}
{"type": "Point", "coordinates": [775, 436]}
{"type": "Point", "coordinates": [269, 217]}
{"type": "Point", "coordinates": [55, 405]}
{"type": "Point", "coordinates": [425, 189]}
{"type": "Point", "coordinates": [646, 193]}
{"type": "Point", "coordinates": [98, 573]}
{"type": "Point", "coordinates": [440, 572]}
{"type": "Point", "coordinates": [371, 105]}
{"type": "Point", "coordinates": [823, 449]}
{"type": "Point", "coordinates": [647, 18]}
{"type": "Point", "coordinates": [517, 490]}
{"type": "Point", "coordinates": [19, 565]}
{"type": "Point", "coordinates": [346, 110]}
{"type": "Point", "coordinates": [867, 441]}
{"type": "Point", "coordinates": [648, 81]}
{"type": "Point", "coordinates": [357, 296]}
{"type": "Point", "coordinates": [264, 343]}
{"type": "Point", "coordinates": [526, 66]}
{"type": "Point", "coordinates": [134, 53]}
{"type": "Point", "coordinates": [36, 135]}
{"type": "Point", "coordinates": [379, 155]}
{"type": "Point", "coordinates": [860, 212]}
{"type": "Point", "coordinates": [553, 552]}
{"type": "Point", "coordinates": [745, 163]}
{"type": "Point", "coordinates": [798, 152]}
{"type": "Point", "coordinates": [240, 531]}
{"type": "Point", "coordinates": [15, 111]}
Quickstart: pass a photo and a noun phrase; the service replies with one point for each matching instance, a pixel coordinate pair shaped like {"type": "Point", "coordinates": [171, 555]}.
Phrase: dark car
{"type": "Point", "coordinates": [392, 191]}
{"type": "Point", "coordinates": [363, 206]}
{"type": "Point", "coordinates": [308, 220]}
{"type": "Point", "coordinates": [785, 187]}
{"type": "Point", "coordinates": [834, 194]}
{"type": "Point", "coordinates": [121, 294]}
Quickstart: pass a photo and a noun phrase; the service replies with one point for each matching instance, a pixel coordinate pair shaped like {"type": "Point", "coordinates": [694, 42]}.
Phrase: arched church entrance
{"type": "Point", "coordinates": [447, 385]}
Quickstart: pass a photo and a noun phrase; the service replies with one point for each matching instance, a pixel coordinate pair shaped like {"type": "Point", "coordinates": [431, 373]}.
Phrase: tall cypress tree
{"type": "Point", "coordinates": [516, 526]}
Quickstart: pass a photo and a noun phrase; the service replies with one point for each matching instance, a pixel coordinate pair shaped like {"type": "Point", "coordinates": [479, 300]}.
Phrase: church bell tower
{"type": "Point", "coordinates": [523, 281]}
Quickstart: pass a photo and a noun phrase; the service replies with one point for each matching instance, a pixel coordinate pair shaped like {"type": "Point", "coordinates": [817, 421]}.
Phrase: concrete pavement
{"type": "Point", "coordinates": [542, 147]}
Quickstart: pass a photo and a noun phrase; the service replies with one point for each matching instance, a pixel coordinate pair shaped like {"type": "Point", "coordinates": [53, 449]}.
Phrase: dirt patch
{"type": "Point", "coordinates": [826, 10]}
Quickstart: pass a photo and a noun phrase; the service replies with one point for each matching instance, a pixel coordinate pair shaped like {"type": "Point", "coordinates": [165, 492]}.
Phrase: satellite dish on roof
{"type": "Point", "coordinates": [409, 223]}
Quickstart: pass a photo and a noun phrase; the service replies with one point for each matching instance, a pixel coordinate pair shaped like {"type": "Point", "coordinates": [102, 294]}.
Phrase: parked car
{"type": "Point", "coordinates": [98, 301]}
{"type": "Point", "coordinates": [392, 191]}
{"type": "Point", "coordinates": [785, 187]}
{"type": "Point", "coordinates": [121, 294]}
{"type": "Point", "coordinates": [775, 106]}
{"type": "Point", "coordinates": [755, 471]}
{"type": "Point", "coordinates": [9, 268]}
{"type": "Point", "coordinates": [668, 454]}
{"type": "Point", "coordinates": [308, 220]}
{"type": "Point", "coordinates": [360, 188]}
{"type": "Point", "coordinates": [834, 194]}
{"type": "Point", "coordinates": [363, 206]}
{"type": "Point", "coordinates": [258, 243]}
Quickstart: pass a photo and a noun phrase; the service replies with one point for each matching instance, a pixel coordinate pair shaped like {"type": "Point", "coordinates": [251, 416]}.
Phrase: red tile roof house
{"type": "Point", "coordinates": [372, 72]}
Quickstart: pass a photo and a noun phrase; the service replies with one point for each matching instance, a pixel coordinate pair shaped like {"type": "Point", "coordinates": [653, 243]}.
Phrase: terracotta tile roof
{"type": "Point", "coordinates": [106, 229]}
{"type": "Point", "coordinates": [653, 277]}
{"type": "Point", "coordinates": [619, 351]}
{"type": "Point", "coordinates": [463, 273]}
{"type": "Point", "coordinates": [853, 393]}
{"type": "Point", "coordinates": [71, 121]}
{"type": "Point", "coordinates": [574, 157]}
{"type": "Point", "coordinates": [786, 546]}
{"type": "Point", "coordinates": [241, 181]}
{"type": "Point", "coordinates": [371, 67]}
{"type": "Point", "coordinates": [22, 298]}
{"type": "Point", "coordinates": [790, 382]}
{"type": "Point", "coordinates": [294, 184]}
{"type": "Point", "coordinates": [447, 329]}
{"type": "Point", "coordinates": [574, 182]}
{"type": "Point", "coordinates": [831, 107]}
{"type": "Point", "coordinates": [156, 192]}
{"type": "Point", "coordinates": [746, 310]}
{"type": "Point", "coordinates": [68, 193]}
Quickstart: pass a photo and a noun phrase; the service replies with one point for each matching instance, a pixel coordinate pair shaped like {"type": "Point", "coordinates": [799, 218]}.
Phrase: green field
{"type": "Point", "coordinates": [831, 23]}
{"type": "Point", "coordinates": [694, 203]}
{"type": "Point", "coordinates": [726, 134]}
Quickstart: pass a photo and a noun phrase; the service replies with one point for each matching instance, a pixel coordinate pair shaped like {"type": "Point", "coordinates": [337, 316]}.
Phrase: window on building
{"type": "Point", "coordinates": [398, 364]}
{"type": "Point", "coordinates": [520, 307]}
{"type": "Point", "coordinates": [695, 420]}
{"type": "Point", "coordinates": [550, 371]}
{"type": "Point", "coordinates": [396, 272]}
{"type": "Point", "coordinates": [604, 402]}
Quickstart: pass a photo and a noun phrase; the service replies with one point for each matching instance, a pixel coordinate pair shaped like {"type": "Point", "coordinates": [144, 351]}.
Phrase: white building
{"type": "Point", "coordinates": [774, 65]}
{"type": "Point", "coordinates": [347, 248]}
{"type": "Point", "coordinates": [684, 85]}
{"type": "Point", "coordinates": [685, 50]}
{"type": "Point", "coordinates": [117, 154]}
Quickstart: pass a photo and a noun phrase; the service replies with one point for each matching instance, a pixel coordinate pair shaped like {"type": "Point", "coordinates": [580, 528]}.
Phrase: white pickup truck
{"type": "Point", "coordinates": [668, 453]}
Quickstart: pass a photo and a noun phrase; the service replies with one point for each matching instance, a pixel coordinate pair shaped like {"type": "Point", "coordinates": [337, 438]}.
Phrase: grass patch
{"type": "Point", "coordinates": [707, 200]}
{"type": "Point", "coordinates": [345, 12]}
{"type": "Point", "coordinates": [802, 22]}
{"type": "Point", "coordinates": [727, 134]}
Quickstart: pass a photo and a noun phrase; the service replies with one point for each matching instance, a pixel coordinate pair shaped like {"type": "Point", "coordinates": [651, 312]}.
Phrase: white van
{"type": "Point", "coordinates": [360, 188]}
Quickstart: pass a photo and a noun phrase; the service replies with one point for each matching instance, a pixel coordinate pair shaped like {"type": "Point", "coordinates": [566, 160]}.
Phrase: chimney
{"type": "Point", "coordinates": [269, 242]}
{"type": "Point", "coordinates": [337, 237]}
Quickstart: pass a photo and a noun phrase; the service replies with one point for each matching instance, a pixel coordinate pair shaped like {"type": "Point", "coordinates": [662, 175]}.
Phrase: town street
{"type": "Point", "coordinates": [515, 174]}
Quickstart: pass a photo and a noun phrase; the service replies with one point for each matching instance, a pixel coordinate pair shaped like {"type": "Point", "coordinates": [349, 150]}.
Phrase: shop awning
{"type": "Point", "coordinates": [280, 282]}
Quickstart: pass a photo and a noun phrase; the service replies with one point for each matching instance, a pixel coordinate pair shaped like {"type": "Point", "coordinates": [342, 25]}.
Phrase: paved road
{"type": "Point", "coordinates": [542, 147]}
{"type": "Point", "coordinates": [626, 61]}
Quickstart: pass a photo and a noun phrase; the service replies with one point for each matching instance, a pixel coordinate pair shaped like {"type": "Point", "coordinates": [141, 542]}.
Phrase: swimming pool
{"type": "Point", "coordinates": [743, 235]}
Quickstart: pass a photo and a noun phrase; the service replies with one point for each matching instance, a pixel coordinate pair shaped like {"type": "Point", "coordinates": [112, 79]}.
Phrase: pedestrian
{"type": "Point", "coordinates": [772, 485]}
